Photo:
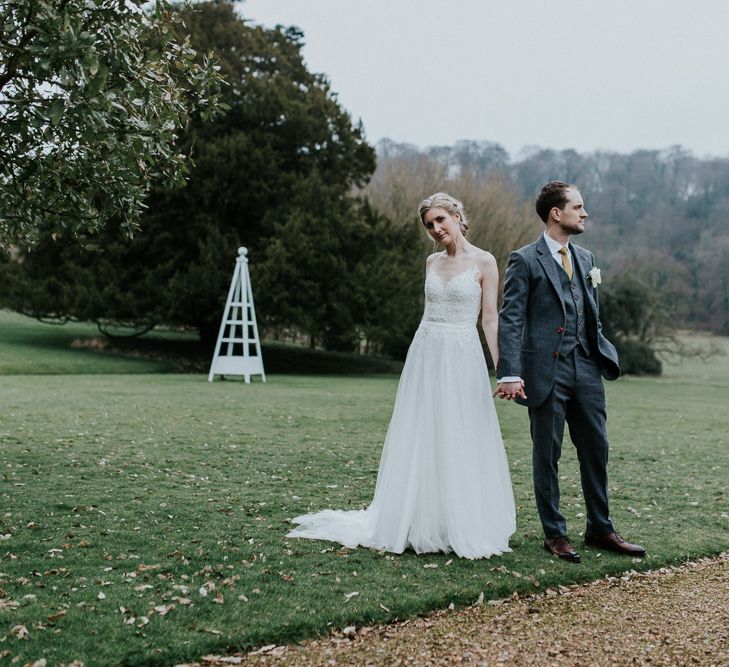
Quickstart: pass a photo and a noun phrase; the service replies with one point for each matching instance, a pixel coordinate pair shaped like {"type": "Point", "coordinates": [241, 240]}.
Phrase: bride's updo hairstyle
{"type": "Point", "coordinates": [447, 203]}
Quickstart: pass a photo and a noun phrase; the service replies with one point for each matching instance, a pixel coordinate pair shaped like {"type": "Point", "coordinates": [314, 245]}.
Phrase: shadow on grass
{"type": "Point", "coordinates": [31, 347]}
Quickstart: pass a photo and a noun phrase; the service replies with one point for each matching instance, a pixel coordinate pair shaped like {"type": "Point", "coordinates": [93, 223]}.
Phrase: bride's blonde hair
{"type": "Point", "coordinates": [447, 203]}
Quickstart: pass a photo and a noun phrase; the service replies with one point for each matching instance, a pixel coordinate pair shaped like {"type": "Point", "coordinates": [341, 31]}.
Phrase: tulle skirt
{"type": "Point", "coordinates": [443, 482]}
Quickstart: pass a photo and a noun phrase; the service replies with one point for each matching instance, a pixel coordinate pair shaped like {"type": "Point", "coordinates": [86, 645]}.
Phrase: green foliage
{"type": "Point", "coordinates": [93, 96]}
{"type": "Point", "coordinates": [641, 309]}
{"type": "Point", "coordinates": [274, 174]}
{"type": "Point", "coordinates": [136, 486]}
{"type": "Point", "coordinates": [634, 318]}
{"type": "Point", "coordinates": [637, 358]}
{"type": "Point", "coordinates": [362, 279]}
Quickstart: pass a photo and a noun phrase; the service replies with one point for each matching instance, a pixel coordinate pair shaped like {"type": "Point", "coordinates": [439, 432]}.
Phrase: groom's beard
{"type": "Point", "coordinates": [574, 230]}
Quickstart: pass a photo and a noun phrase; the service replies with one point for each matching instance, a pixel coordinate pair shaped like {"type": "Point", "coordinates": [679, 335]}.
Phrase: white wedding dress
{"type": "Point", "coordinates": [443, 482]}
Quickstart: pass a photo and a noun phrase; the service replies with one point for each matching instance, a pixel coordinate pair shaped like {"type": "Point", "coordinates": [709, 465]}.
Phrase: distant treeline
{"type": "Point", "coordinates": [660, 216]}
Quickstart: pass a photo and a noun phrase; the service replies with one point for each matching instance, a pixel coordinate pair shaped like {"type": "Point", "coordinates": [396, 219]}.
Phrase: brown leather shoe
{"type": "Point", "coordinates": [613, 542]}
{"type": "Point", "coordinates": [560, 546]}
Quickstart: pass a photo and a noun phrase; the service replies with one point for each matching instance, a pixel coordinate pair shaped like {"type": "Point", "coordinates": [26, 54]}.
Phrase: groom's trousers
{"type": "Point", "coordinates": [577, 398]}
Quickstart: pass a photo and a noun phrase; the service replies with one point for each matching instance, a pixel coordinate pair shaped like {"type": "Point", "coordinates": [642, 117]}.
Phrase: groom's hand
{"type": "Point", "coordinates": [510, 390]}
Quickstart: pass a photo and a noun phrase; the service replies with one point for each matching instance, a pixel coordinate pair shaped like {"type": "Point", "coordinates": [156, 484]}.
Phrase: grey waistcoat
{"type": "Point", "coordinates": [574, 305]}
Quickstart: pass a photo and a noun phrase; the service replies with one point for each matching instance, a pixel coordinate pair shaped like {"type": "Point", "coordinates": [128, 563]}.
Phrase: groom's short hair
{"type": "Point", "coordinates": [552, 194]}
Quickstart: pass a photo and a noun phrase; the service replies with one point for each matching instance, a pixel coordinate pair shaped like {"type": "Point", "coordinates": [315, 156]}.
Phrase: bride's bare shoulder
{"type": "Point", "coordinates": [484, 259]}
{"type": "Point", "coordinates": [432, 258]}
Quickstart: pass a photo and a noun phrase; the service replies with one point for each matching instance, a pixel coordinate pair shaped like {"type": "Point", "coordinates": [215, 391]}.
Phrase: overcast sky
{"type": "Point", "coordinates": [591, 74]}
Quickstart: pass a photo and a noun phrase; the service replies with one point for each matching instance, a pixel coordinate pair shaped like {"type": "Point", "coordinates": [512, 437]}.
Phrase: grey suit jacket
{"type": "Point", "coordinates": [532, 319]}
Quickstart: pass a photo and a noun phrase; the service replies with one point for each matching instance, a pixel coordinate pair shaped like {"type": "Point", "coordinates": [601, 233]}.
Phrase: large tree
{"type": "Point", "coordinates": [93, 95]}
{"type": "Point", "coordinates": [274, 174]}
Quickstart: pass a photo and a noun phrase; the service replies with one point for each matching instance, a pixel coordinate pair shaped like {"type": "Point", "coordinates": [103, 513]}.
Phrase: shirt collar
{"type": "Point", "coordinates": [554, 246]}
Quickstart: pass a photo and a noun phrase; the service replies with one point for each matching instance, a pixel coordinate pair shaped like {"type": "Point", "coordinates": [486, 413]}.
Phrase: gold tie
{"type": "Point", "coordinates": [566, 262]}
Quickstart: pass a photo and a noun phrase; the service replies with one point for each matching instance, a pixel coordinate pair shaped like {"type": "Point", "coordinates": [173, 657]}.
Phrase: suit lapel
{"type": "Point", "coordinates": [550, 268]}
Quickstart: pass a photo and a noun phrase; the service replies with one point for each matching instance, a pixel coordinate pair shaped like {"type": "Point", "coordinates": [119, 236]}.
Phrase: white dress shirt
{"type": "Point", "coordinates": [555, 247]}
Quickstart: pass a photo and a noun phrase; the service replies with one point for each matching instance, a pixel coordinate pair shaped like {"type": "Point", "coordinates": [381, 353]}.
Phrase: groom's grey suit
{"type": "Point", "coordinates": [550, 336]}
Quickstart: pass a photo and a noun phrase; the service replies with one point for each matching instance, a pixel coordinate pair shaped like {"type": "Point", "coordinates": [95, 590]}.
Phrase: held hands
{"type": "Point", "coordinates": [510, 390]}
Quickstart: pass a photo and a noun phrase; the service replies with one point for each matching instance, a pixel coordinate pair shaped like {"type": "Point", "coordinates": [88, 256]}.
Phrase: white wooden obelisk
{"type": "Point", "coordinates": [238, 334]}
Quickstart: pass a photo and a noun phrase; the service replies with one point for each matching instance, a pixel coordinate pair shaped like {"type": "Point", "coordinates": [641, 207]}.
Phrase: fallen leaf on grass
{"type": "Point", "coordinates": [384, 608]}
{"type": "Point", "coordinates": [349, 596]}
{"type": "Point", "coordinates": [268, 648]}
{"type": "Point", "coordinates": [229, 581]}
{"type": "Point", "coordinates": [146, 568]}
{"type": "Point", "coordinates": [183, 601]}
{"type": "Point", "coordinates": [20, 631]}
{"type": "Point", "coordinates": [163, 609]}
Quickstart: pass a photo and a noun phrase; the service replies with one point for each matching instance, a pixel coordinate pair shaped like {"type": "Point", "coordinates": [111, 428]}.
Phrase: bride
{"type": "Point", "coordinates": [443, 482]}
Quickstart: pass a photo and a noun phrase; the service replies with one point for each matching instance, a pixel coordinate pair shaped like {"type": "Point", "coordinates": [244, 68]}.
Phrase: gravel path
{"type": "Point", "coordinates": [672, 616]}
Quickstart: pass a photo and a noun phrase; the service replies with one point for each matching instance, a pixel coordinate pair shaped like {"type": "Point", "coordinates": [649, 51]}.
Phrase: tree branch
{"type": "Point", "coordinates": [11, 67]}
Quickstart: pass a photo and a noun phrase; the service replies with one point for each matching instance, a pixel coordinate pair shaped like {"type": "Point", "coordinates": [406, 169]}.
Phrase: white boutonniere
{"type": "Point", "coordinates": [595, 278]}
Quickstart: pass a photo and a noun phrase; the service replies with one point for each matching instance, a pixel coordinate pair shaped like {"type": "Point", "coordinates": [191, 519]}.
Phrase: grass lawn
{"type": "Point", "coordinates": [143, 515]}
{"type": "Point", "coordinates": [28, 347]}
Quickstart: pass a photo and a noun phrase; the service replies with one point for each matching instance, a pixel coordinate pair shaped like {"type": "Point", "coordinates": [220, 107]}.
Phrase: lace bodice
{"type": "Point", "coordinates": [457, 301]}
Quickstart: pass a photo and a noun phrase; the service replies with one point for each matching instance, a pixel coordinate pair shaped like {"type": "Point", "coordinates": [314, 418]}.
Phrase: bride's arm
{"type": "Point", "coordinates": [489, 303]}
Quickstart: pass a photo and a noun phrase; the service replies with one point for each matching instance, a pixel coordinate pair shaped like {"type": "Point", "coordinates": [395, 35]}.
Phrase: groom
{"type": "Point", "coordinates": [551, 355]}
